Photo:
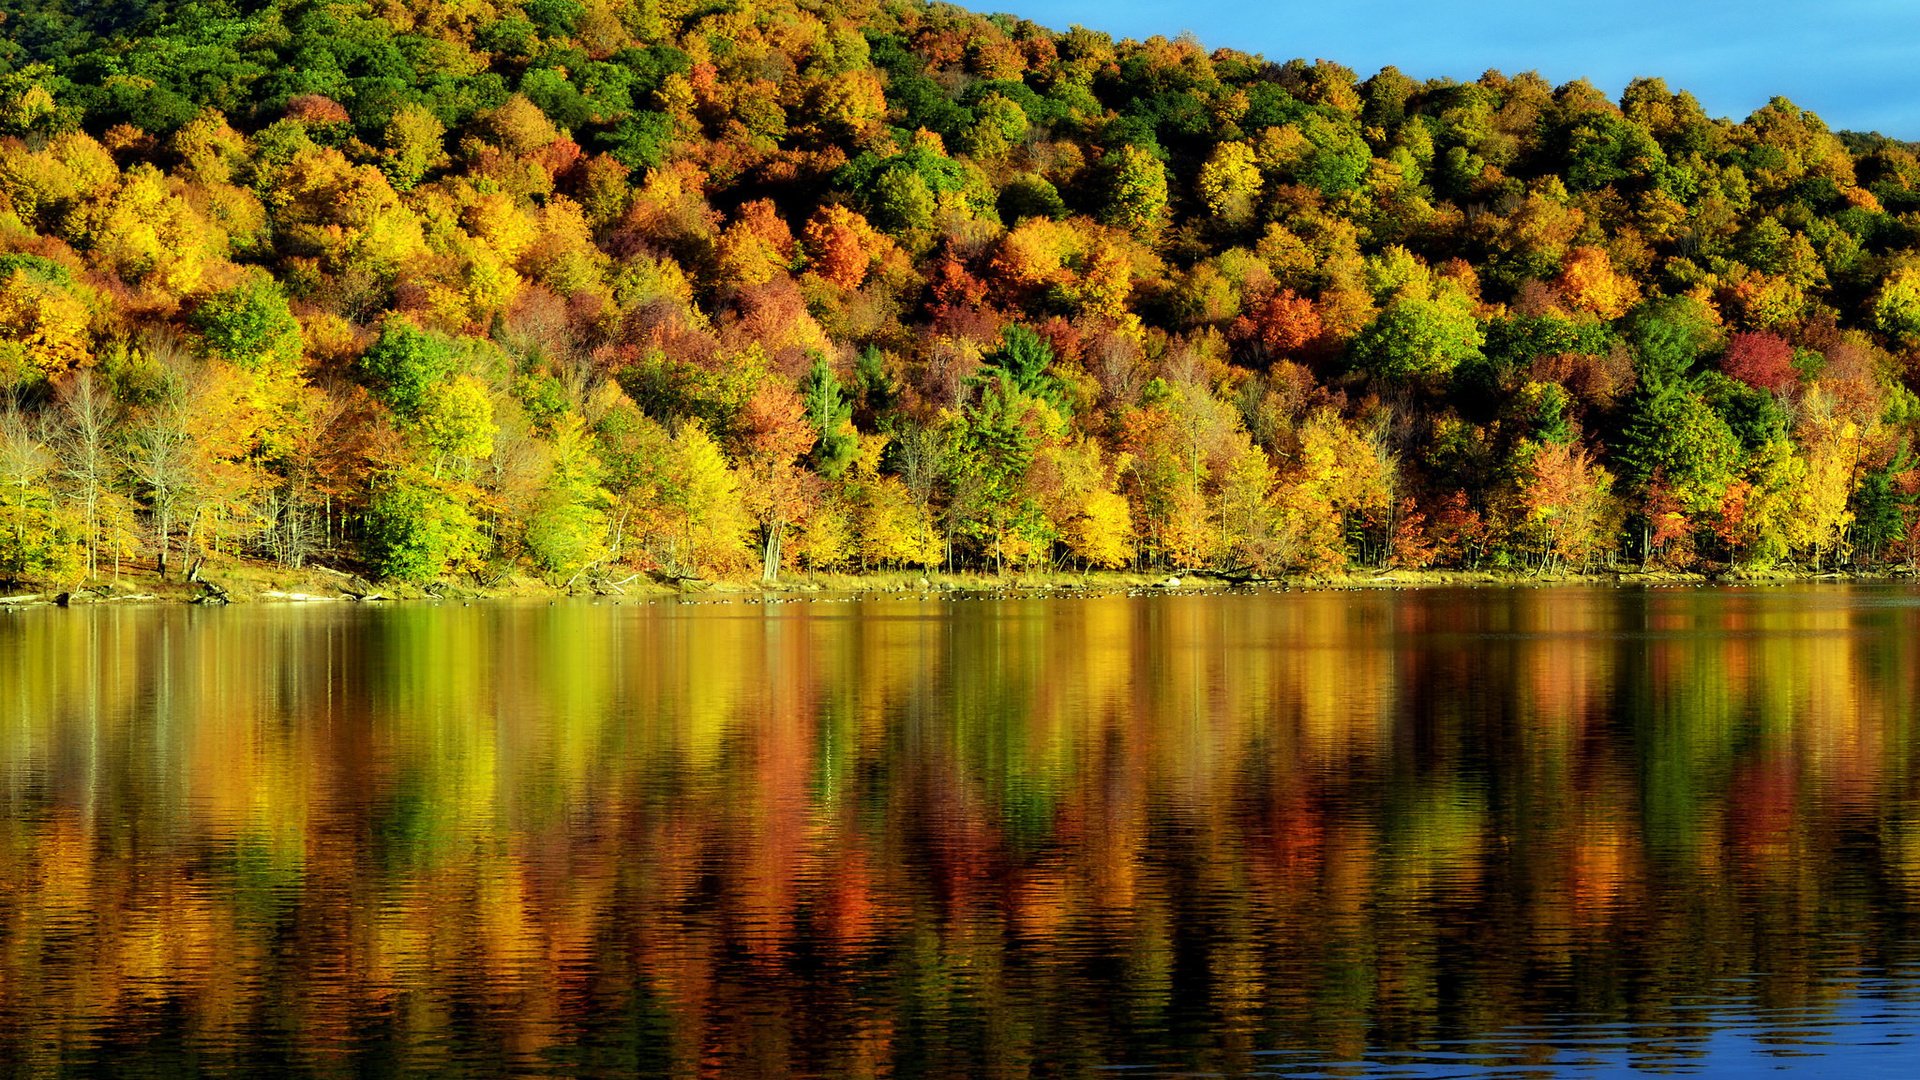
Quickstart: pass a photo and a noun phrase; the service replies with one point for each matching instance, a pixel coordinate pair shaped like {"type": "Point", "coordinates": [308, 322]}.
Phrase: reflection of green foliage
{"type": "Point", "coordinates": [1435, 830]}
{"type": "Point", "coordinates": [267, 872]}
{"type": "Point", "coordinates": [1688, 734]}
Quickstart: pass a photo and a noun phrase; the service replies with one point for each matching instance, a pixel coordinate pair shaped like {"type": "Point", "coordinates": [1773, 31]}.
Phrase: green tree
{"type": "Point", "coordinates": [1419, 338]}
{"type": "Point", "coordinates": [1136, 190]}
{"type": "Point", "coordinates": [831, 417]}
{"type": "Point", "coordinates": [1669, 337]}
{"type": "Point", "coordinates": [1676, 435]}
{"type": "Point", "coordinates": [1023, 358]}
{"type": "Point", "coordinates": [418, 528]}
{"type": "Point", "coordinates": [251, 325]}
{"type": "Point", "coordinates": [405, 364]}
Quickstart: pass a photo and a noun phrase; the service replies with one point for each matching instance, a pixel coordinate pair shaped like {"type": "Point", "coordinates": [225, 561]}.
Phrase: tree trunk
{"type": "Point", "coordinates": [770, 566]}
{"type": "Point", "coordinates": [163, 550]}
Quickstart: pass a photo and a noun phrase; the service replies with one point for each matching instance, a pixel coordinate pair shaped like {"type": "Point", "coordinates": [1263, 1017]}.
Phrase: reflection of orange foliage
{"type": "Point", "coordinates": [1601, 865]}
{"type": "Point", "coordinates": [560, 807]}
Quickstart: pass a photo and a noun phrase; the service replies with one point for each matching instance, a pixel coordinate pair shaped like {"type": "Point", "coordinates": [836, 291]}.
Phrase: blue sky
{"type": "Point", "coordinates": [1854, 62]}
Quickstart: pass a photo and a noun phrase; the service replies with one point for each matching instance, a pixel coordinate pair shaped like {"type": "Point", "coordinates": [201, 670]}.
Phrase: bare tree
{"type": "Point", "coordinates": [25, 463]}
{"type": "Point", "coordinates": [921, 453]}
{"type": "Point", "coordinates": [86, 462]}
{"type": "Point", "coordinates": [159, 458]}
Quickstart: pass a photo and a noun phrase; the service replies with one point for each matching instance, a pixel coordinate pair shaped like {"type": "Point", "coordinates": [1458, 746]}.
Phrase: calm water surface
{"type": "Point", "coordinates": [1555, 832]}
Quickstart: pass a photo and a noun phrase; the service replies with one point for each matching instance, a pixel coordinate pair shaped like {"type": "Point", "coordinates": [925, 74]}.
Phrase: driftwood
{"type": "Point", "coordinates": [598, 581]}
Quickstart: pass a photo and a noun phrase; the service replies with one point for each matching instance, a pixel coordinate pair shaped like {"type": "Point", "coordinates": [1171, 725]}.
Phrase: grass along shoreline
{"type": "Point", "coordinates": [265, 583]}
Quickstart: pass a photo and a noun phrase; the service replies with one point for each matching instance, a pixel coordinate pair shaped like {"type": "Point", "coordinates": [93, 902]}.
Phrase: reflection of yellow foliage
{"type": "Point", "coordinates": [542, 798]}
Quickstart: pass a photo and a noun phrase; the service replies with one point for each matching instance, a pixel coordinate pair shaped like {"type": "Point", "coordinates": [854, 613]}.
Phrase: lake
{"type": "Point", "coordinates": [1546, 832]}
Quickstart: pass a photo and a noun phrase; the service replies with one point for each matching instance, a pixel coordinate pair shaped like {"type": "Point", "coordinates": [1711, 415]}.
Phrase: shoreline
{"type": "Point", "coordinates": [256, 584]}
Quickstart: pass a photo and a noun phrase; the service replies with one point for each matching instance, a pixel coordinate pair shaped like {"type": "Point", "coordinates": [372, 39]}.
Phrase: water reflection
{"type": "Point", "coordinates": [1380, 834]}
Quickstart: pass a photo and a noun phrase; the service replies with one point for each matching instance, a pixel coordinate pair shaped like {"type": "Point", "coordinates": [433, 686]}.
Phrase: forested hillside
{"type": "Point", "coordinates": [744, 288]}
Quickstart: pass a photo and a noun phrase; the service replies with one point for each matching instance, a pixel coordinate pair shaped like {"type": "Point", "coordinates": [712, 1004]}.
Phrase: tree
{"type": "Point", "coordinates": [34, 541]}
{"type": "Point", "coordinates": [830, 417]}
{"type": "Point", "coordinates": [405, 364]}
{"type": "Point", "coordinates": [773, 434]}
{"type": "Point", "coordinates": [1245, 513]}
{"type": "Point", "coordinates": [894, 530]}
{"type": "Point", "coordinates": [1896, 307]}
{"type": "Point", "coordinates": [1136, 190]}
{"type": "Point", "coordinates": [1763, 361]}
{"type": "Point", "coordinates": [1679, 437]}
{"type": "Point", "coordinates": [160, 459]}
{"type": "Point", "coordinates": [842, 246]}
{"type": "Point", "coordinates": [86, 463]}
{"type": "Point", "coordinates": [1590, 283]}
{"type": "Point", "coordinates": [1279, 325]}
{"type": "Point", "coordinates": [44, 328]}
{"type": "Point", "coordinates": [567, 530]}
{"type": "Point", "coordinates": [419, 528]}
{"type": "Point", "coordinates": [704, 495]}
{"type": "Point", "coordinates": [413, 144]}
{"type": "Point", "coordinates": [1230, 182]}
{"type": "Point", "coordinates": [1669, 337]}
{"type": "Point", "coordinates": [1564, 497]}
{"type": "Point", "coordinates": [1416, 338]}
{"type": "Point", "coordinates": [1101, 533]}
{"type": "Point", "coordinates": [1022, 359]}
{"type": "Point", "coordinates": [455, 424]}
{"type": "Point", "coordinates": [994, 442]}
{"type": "Point", "coordinates": [252, 326]}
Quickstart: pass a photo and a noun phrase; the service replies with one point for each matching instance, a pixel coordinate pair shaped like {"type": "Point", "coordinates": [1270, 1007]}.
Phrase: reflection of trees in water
{"type": "Point", "coordinates": [976, 839]}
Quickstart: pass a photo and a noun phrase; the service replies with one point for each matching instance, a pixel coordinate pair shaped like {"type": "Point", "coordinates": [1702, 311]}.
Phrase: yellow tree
{"type": "Point", "coordinates": [43, 324]}
{"type": "Point", "coordinates": [1567, 505]}
{"type": "Point", "coordinates": [1093, 519]}
{"type": "Point", "coordinates": [895, 530]}
{"type": "Point", "coordinates": [1244, 510]}
{"type": "Point", "coordinates": [1833, 448]}
{"type": "Point", "coordinates": [1230, 182]}
{"type": "Point", "coordinates": [1337, 475]}
{"type": "Point", "coordinates": [148, 235]}
{"type": "Point", "coordinates": [703, 497]}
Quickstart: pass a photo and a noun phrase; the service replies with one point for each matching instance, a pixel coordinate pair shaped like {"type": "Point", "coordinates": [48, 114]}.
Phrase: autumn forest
{"type": "Point", "coordinates": [755, 288]}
